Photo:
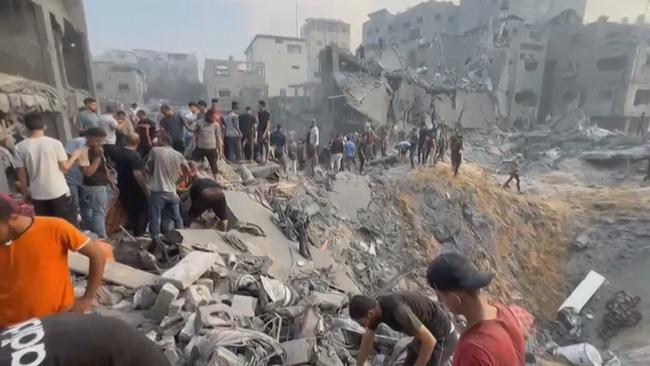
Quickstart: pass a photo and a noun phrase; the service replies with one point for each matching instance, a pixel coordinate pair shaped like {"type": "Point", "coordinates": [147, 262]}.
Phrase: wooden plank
{"type": "Point", "coordinates": [117, 273]}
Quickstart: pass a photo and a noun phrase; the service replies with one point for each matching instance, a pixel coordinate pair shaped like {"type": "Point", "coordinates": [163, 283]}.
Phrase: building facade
{"type": "Point", "coordinates": [606, 72]}
{"type": "Point", "coordinates": [46, 41]}
{"type": "Point", "coordinates": [285, 61]}
{"type": "Point", "coordinates": [118, 85]}
{"type": "Point", "coordinates": [320, 33]}
{"type": "Point", "coordinates": [173, 76]}
{"type": "Point", "coordinates": [421, 22]}
{"type": "Point", "coordinates": [231, 80]}
{"type": "Point", "coordinates": [477, 13]}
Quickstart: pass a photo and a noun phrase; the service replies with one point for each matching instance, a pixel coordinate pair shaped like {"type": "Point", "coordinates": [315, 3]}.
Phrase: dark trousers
{"type": "Point", "coordinates": [135, 204]}
{"type": "Point", "coordinates": [456, 159]}
{"type": "Point", "coordinates": [249, 146]}
{"type": "Point", "coordinates": [514, 176]}
{"type": "Point", "coordinates": [412, 153]}
{"type": "Point", "coordinates": [179, 145]}
{"type": "Point", "coordinates": [441, 354]}
{"type": "Point", "coordinates": [200, 204]}
{"type": "Point", "coordinates": [233, 151]}
{"type": "Point", "coordinates": [61, 207]}
{"type": "Point", "coordinates": [262, 147]}
{"type": "Point", "coordinates": [210, 154]}
{"type": "Point", "coordinates": [362, 163]}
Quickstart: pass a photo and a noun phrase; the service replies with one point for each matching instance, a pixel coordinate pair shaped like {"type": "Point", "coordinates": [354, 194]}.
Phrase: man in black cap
{"type": "Point", "coordinates": [412, 314]}
{"type": "Point", "coordinates": [493, 336]}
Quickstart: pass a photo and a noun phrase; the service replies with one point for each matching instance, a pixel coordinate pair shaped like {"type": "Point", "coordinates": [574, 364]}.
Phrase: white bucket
{"type": "Point", "coordinates": [582, 354]}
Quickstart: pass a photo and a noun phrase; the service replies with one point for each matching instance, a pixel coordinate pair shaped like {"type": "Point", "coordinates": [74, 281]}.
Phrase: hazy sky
{"type": "Point", "coordinates": [219, 28]}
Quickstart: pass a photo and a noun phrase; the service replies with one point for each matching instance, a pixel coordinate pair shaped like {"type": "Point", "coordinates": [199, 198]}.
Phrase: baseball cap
{"type": "Point", "coordinates": [453, 271]}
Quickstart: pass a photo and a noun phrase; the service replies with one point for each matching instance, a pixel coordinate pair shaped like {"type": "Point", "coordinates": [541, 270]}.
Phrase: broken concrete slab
{"type": "Point", "coordinates": [330, 301]}
{"type": "Point", "coordinates": [203, 238]}
{"type": "Point", "coordinates": [215, 316]}
{"type": "Point", "coordinates": [189, 329]}
{"type": "Point", "coordinates": [114, 272]}
{"type": "Point", "coordinates": [207, 282]}
{"type": "Point", "coordinates": [603, 156]}
{"type": "Point", "coordinates": [299, 351]}
{"type": "Point", "coordinates": [144, 298]}
{"type": "Point", "coordinates": [197, 295]}
{"type": "Point", "coordinates": [190, 269]}
{"type": "Point", "coordinates": [244, 305]}
{"type": "Point", "coordinates": [168, 294]}
{"type": "Point", "coordinates": [176, 307]}
{"type": "Point", "coordinates": [583, 292]}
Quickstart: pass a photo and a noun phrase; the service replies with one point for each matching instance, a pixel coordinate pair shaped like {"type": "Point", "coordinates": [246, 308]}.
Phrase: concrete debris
{"type": "Point", "coordinates": [585, 290]}
{"type": "Point", "coordinates": [583, 354]}
{"type": "Point", "coordinates": [197, 295]}
{"type": "Point", "coordinates": [144, 298]}
{"type": "Point", "coordinates": [168, 293]}
{"type": "Point", "coordinates": [621, 313]}
{"type": "Point", "coordinates": [244, 305]}
{"type": "Point", "coordinates": [114, 272]}
{"type": "Point", "coordinates": [605, 156]}
{"type": "Point", "coordinates": [328, 301]}
{"type": "Point", "coordinates": [299, 351]}
{"type": "Point", "coordinates": [215, 316]}
{"type": "Point", "coordinates": [190, 269]}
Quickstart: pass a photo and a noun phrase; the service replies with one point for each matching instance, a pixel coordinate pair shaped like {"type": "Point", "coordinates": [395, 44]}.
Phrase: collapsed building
{"type": "Point", "coordinates": [51, 72]}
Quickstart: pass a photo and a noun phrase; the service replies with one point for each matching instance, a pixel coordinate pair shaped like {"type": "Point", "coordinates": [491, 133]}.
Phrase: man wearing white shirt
{"type": "Point", "coordinates": [109, 124]}
{"type": "Point", "coordinates": [312, 145]}
{"type": "Point", "coordinates": [41, 162]}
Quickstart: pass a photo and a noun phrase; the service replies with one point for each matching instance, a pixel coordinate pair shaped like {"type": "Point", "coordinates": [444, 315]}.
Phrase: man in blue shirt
{"type": "Point", "coordinates": [172, 124]}
{"type": "Point", "coordinates": [350, 152]}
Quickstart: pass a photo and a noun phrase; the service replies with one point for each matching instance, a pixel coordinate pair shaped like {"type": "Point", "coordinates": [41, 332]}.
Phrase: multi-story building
{"type": "Point", "coordinates": [421, 22]}
{"type": "Point", "coordinates": [284, 59]}
{"type": "Point", "coordinates": [118, 85]}
{"type": "Point", "coordinates": [45, 43]}
{"type": "Point", "coordinates": [604, 67]}
{"type": "Point", "coordinates": [476, 13]}
{"type": "Point", "coordinates": [320, 33]}
{"type": "Point", "coordinates": [168, 74]}
{"type": "Point", "coordinates": [231, 80]}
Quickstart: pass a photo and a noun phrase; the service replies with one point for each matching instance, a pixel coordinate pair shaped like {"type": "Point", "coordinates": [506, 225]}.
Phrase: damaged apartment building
{"type": "Point", "coordinates": [170, 77]}
{"type": "Point", "coordinates": [45, 60]}
{"type": "Point", "coordinates": [602, 68]}
{"type": "Point", "coordinates": [118, 85]}
{"type": "Point", "coordinates": [232, 80]}
{"type": "Point", "coordinates": [493, 52]}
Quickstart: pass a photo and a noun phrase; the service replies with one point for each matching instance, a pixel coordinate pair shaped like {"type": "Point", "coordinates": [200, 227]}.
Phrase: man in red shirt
{"type": "Point", "coordinates": [493, 336]}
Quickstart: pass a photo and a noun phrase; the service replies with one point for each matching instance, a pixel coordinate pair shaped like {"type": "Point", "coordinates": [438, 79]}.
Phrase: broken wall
{"type": "Point", "coordinates": [21, 42]}
{"type": "Point", "coordinates": [478, 109]}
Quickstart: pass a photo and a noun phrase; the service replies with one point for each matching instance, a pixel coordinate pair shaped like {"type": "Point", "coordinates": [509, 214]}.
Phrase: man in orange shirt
{"type": "Point", "coordinates": [34, 274]}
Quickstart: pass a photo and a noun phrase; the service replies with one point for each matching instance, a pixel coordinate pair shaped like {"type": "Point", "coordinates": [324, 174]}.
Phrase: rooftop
{"type": "Point", "coordinates": [277, 38]}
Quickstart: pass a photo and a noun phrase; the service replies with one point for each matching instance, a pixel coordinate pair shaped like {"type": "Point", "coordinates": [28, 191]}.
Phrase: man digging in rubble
{"type": "Point", "coordinates": [205, 194]}
{"type": "Point", "coordinates": [514, 172]}
{"type": "Point", "coordinates": [34, 274]}
{"type": "Point", "coordinates": [493, 336]}
{"type": "Point", "coordinates": [412, 314]}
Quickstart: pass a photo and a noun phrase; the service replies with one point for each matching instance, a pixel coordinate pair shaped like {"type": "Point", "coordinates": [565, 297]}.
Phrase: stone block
{"type": "Point", "coordinates": [214, 316]}
{"type": "Point", "coordinates": [168, 293]}
{"type": "Point", "coordinates": [190, 269]}
{"type": "Point", "coordinates": [172, 356]}
{"type": "Point", "coordinates": [144, 298]}
{"type": "Point", "coordinates": [176, 307]}
{"type": "Point", "coordinates": [189, 329]}
{"type": "Point", "coordinates": [244, 305]}
{"type": "Point", "coordinates": [328, 301]}
{"type": "Point", "coordinates": [299, 351]}
{"type": "Point", "coordinates": [207, 282]}
{"type": "Point", "coordinates": [197, 295]}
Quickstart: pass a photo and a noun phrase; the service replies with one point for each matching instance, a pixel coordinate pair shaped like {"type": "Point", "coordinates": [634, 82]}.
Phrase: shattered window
{"type": "Point", "coordinates": [526, 98]}
{"type": "Point", "coordinates": [612, 63]}
{"type": "Point", "coordinates": [99, 86]}
{"type": "Point", "coordinates": [122, 86]}
{"type": "Point", "coordinates": [294, 48]}
{"type": "Point", "coordinates": [642, 96]}
{"type": "Point", "coordinates": [224, 93]}
{"type": "Point", "coordinates": [295, 67]}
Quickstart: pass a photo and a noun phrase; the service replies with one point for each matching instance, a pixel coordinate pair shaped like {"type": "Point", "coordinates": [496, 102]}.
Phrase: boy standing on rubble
{"type": "Point", "coordinates": [514, 172]}
{"type": "Point", "coordinates": [493, 336]}
{"type": "Point", "coordinates": [412, 314]}
{"type": "Point", "coordinates": [34, 274]}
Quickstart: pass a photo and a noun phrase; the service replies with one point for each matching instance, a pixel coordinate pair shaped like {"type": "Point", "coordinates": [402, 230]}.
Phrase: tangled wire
{"type": "Point", "coordinates": [621, 313]}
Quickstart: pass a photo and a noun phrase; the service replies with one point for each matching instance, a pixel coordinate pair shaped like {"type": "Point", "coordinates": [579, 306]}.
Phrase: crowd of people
{"type": "Point", "coordinates": [126, 162]}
